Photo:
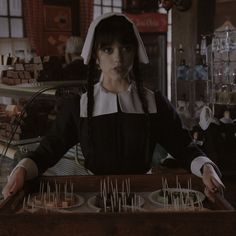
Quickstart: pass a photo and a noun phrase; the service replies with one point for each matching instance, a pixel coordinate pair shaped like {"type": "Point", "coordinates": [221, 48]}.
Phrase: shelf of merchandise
{"type": "Point", "coordinates": [32, 88]}
{"type": "Point", "coordinates": [222, 62]}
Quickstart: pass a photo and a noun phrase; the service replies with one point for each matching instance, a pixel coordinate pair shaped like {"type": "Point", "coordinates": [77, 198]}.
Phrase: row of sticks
{"type": "Point", "coordinates": [180, 198]}
{"type": "Point", "coordinates": [113, 200]}
{"type": "Point", "coordinates": [51, 199]}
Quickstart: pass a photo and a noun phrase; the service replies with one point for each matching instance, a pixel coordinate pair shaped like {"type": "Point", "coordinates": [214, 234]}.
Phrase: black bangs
{"type": "Point", "coordinates": [115, 28]}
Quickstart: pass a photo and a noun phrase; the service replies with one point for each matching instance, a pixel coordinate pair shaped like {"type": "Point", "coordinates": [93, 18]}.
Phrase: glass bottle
{"type": "Point", "coordinates": [200, 71]}
{"type": "Point", "coordinates": [182, 68]}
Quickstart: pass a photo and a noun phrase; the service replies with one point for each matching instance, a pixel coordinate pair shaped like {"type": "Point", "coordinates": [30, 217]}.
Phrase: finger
{"type": "Point", "coordinates": [12, 190]}
{"type": "Point", "coordinates": [8, 189]}
{"type": "Point", "coordinates": [6, 193]}
{"type": "Point", "coordinates": [210, 172]}
{"type": "Point", "coordinates": [210, 185]}
{"type": "Point", "coordinates": [209, 195]}
{"type": "Point", "coordinates": [214, 186]}
{"type": "Point", "coordinates": [217, 183]}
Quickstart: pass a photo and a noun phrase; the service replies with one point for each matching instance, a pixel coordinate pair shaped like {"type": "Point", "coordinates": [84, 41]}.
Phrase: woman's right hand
{"type": "Point", "coordinates": [15, 182]}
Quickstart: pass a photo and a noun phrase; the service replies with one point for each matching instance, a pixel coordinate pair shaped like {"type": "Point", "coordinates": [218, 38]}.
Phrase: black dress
{"type": "Point", "coordinates": [120, 142]}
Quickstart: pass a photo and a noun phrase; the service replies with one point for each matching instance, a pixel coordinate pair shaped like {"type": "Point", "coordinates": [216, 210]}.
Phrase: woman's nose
{"type": "Point", "coordinates": [118, 56]}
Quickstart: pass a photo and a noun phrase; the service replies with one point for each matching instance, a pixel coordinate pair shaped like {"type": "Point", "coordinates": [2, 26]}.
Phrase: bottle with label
{"type": "Point", "coordinates": [182, 68]}
{"type": "Point", "coordinates": [9, 60]}
{"type": "Point", "coordinates": [200, 71]}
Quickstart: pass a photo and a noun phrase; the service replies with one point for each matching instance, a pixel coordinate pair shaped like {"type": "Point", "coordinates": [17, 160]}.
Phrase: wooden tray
{"type": "Point", "coordinates": [217, 220]}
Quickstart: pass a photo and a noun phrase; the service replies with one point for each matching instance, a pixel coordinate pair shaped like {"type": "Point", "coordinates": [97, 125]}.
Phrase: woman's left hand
{"type": "Point", "coordinates": [211, 180]}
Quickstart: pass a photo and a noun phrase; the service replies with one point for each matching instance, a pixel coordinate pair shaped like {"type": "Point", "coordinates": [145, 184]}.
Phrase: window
{"type": "Point", "coordinates": [11, 19]}
{"type": "Point", "coordinates": [104, 6]}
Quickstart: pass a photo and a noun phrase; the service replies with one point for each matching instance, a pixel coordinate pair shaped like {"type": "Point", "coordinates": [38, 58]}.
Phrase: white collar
{"type": "Point", "coordinates": [131, 84]}
{"type": "Point", "coordinates": [226, 120]}
{"type": "Point", "coordinates": [206, 118]}
{"type": "Point", "coordinates": [105, 102]}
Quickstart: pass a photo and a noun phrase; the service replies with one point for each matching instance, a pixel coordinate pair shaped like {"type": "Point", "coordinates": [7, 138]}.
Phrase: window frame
{"type": "Point", "coordinates": [102, 6]}
{"type": "Point", "coordinates": [9, 18]}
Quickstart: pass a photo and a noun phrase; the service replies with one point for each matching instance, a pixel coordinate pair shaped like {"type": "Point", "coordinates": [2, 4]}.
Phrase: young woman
{"type": "Point", "coordinates": [117, 121]}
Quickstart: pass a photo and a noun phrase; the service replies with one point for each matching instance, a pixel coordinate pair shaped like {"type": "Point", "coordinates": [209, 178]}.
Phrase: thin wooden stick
{"type": "Point", "coordinates": [104, 188]}
{"type": "Point", "coordinates": [101, 191]}
{"type": "Point", "coordinates": [105, 203]}
{"type": "Point", "coordinates": [112, 204]}
{"type": "Point", "coordinates": [166, 183]}
{"type": "Point", "coordinates": [119, 207]}
{"type": "Point", "coordinates": [112, 187]}
{"type": "Point", "coordinates": [108, 184]}
{"type": "Point", "coordinates": [23, 204]}
{"type": "Point", "coordinates": [177, 181]}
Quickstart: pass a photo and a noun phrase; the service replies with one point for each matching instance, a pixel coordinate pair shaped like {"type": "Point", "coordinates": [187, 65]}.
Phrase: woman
{"type": "Point", "coordinates": [117, 121]}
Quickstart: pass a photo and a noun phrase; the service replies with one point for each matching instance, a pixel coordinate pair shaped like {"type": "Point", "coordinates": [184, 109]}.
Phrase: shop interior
{"type": "Point", "coordinates": [191, 45]}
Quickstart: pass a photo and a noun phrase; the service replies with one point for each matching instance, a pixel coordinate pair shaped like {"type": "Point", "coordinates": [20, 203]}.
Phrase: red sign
{"type": "Point", "coordinates": [150, 22]}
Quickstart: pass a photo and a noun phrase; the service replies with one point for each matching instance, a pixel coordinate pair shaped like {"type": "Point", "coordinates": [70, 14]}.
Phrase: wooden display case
{"type": "Point", "coordinates": [215, 219]}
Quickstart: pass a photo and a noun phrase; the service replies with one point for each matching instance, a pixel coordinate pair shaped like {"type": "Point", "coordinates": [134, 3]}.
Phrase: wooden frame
{"type": "Point", "coordinates": [57, 18]}
{"type": "Point", "coordinates": [210, 222]}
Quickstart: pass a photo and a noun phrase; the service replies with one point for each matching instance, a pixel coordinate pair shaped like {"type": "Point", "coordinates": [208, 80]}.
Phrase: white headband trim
{"type": "Point", "coordinates": [88, 44]}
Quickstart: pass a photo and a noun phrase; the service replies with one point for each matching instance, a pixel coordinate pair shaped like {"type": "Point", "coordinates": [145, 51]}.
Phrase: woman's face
{"type": "Point", "coordinates": [115, 60]}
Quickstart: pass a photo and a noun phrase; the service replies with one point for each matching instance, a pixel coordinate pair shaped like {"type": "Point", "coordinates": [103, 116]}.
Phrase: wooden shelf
{"type": "Point", "coordinates": [6, 90]}
{"type": "Point", "coordinates": [32, 88]}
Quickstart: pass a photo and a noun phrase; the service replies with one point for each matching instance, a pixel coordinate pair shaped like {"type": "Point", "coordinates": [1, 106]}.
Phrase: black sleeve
{"type": "Point", "coordinates": [171, 134]}
{"type": "Point", "coordinates": [63, 134]}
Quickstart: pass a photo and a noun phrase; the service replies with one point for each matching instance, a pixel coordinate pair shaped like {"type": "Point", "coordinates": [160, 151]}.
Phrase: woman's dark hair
{"type": "Point", "coordinates": [115, 28]}
{"type": "Point", "coordinates": [119, 29]}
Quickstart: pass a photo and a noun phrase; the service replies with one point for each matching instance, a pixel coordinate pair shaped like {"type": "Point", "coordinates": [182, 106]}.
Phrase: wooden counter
{"type": "Point", "coordinates": [214, 221]}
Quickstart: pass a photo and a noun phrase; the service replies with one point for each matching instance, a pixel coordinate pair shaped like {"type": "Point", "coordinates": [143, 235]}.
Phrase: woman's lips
{"type": "Point", "coordinates": [119, 69]}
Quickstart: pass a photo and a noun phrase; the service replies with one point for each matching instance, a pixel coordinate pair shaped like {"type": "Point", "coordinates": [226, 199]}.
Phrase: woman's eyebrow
{"type": "Point", "coordinates": [105, 45]}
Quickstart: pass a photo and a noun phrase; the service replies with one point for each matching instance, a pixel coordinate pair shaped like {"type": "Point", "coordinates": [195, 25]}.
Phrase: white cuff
{"type": "Point", "coordinates": [198, 163]}
{"type": "Point", "coordinates": [30, 167]}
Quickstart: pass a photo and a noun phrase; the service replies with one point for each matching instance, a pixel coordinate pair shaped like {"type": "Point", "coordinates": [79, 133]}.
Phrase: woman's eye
{"type": "Point", "coordinates": [127, 48]}
{"type": "Point", "coordinates": [107, 50]}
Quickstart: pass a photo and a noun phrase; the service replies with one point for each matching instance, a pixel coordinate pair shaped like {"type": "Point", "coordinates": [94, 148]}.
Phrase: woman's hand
{"type": "Point", "coordinates": [211, 180]}
{"type": "Point", "coordinates": [15, 182]}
